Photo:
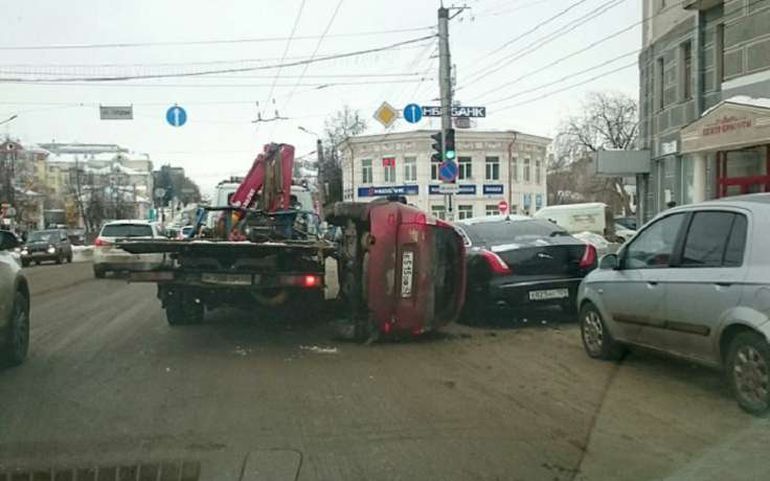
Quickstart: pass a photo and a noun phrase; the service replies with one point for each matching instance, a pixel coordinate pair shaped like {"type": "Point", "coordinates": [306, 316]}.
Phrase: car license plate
{"type": "Point", "coordinates": [227, 279]}
{"type": "Point", "coordinates": [407, 273]}
{"type": "Point", "coordinates": [548, 294]}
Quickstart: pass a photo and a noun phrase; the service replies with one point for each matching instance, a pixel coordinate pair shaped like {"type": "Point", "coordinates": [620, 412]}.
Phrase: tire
{"type": "Point", "coordinates": [69, 258]}
{"type": "Point", "coordinates": [748, 370]}
{"type": "Point", "coordinates": [597, 340]}
{"type": "Point", "coordinates": [476, 311]}
{"type": "Point", "coordinates": [184, 309]}
{"type": "Point", "coordinates": [60, 258]}
{"type": "Point", "coordinates": [24, 263]}
{"type": "Point", "coordinates": [37, 263]}
{"type": "Point", "coordinates": [99, 272]}
{"type": "Point", "coordinates": [16, 342]}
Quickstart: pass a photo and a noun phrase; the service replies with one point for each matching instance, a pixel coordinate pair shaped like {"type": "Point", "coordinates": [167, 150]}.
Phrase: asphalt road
{"type": "Point", "coordinates": [108, 381]}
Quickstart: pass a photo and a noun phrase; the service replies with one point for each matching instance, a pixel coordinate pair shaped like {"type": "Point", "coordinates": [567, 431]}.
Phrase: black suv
{"type": "Point", "coordinates": [47, 245]}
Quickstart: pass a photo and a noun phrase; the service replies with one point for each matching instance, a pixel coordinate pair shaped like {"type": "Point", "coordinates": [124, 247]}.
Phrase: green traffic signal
{"type": "Point", "coordinates": [449, 144]}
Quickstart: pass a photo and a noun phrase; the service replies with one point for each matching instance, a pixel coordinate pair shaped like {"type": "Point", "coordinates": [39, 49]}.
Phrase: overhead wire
{"type": "Point", "coordinates": [286, 48]}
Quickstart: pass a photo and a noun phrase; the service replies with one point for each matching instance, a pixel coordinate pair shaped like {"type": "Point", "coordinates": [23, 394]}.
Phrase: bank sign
{"type": "Point", "coordinates": [378, 191]}
{"type": "Point", "coordinates": [462, 189]}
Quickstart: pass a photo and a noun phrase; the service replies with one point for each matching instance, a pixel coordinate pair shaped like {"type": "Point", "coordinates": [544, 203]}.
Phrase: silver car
{"type": "Point", "coordinates": [14, 310]}
{"type": "Point", "coordinates": [695, 283]}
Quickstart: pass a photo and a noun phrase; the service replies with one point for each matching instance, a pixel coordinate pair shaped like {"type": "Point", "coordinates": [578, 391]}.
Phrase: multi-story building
{"type": "Point", "coordinates": [493, 166]}
{"type": "Point", "coordinates": [704, 107]}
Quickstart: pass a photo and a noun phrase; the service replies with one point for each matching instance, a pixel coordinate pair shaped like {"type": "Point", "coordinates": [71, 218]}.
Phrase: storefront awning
{"type": "Point", "coordinates": [734, 123]}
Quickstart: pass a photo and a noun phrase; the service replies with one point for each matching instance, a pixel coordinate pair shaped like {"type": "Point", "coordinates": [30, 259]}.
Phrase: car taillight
{"type": "Point", "coordinates": [589, 257]}
{"type": "Point", "coordinates": [496, 264]}
{"type": "Point", "coordinates": [311, 281]}
{"type": "Point", "coordinates": [99, 242]}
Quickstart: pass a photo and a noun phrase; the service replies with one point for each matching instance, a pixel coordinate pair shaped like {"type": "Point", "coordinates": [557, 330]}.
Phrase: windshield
{"type": "Point", "coordinates": [349, 240]}
{"type": "Point", "coordinates": [43, 236]}
{"type": "Point", "coordinates": [127, 230]}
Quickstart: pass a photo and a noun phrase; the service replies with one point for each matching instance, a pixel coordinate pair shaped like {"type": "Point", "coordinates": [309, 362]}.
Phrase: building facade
{"type": "Point", "coordinates": [704, 112]}
{"type": "Point", "coordinates": [493, 166]}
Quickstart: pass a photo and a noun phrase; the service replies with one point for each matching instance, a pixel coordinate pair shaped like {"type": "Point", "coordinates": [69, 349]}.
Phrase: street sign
{"type": "Point", "coordinates": [457, 111]}
{"type": "Point", "coordinates": [448, 188]}
{"type": "Point", "coordinates": [107, 112]}
{"type": "Point", "coordinates": [412, 113]}
{"type": "Point", "coordinates": [447, 171]}
{"type": "Point", "coordinates": [176, 116]}
{"type": "Point", "coordinates": [502, 206]}
{"type": "Point", "coordinates": [386, 115]}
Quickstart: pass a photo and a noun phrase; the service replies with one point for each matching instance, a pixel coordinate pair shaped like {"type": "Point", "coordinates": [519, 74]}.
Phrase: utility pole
{"type": "Point", "coordinates": [445, 91]}
{"type": "Point", "coordinates": [322, 194]}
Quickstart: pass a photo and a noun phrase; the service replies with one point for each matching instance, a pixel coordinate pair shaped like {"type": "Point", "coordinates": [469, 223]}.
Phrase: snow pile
{"type": "Point", "coordinates": [595, 240]}
{"type": "Point", "coordinates": [320, 350]}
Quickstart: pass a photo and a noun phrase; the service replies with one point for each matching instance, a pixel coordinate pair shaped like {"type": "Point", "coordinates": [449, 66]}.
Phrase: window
{"type": "Point", "coordinates": [719, 51]}
{"type": "Point", "coordinates": [686, 70]}
{"type": "Point", "coordinates": [515, 168]}
{"type": "Point", "coordinates": [466, 168]}
{"type": "Point", "coordinates": [654, 246]}
{"type": "Point", "coordinates": [659, 79]}
{"type": "Point", "coordinates": [464, 212]}
{"type": "Point", "coordinates": [389, 169]}
{"type": "Point", "coordinates": [491, 209]}
{"type": "Point", "coordinates": [538, 174]}
{"type": "Point", "coordinates": [715, 239]}
{"type": "Point", "coordinates": [366, 171]}
{"type": "Point", "coordinates": [527, 173]}
{"type": "Point", "coordinates": [438, 211]}
{"type": "Point", "coordinates": [493, 168]}
{"type": "Point", "coordinates": [410, 169]}
{"type": "Point", "coordinates": [434, 164]}
{"type": "Point", "coordinates": [737, 243]}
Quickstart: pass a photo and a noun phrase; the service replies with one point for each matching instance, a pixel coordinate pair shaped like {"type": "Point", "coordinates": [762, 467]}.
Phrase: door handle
{"type": "Point", "coordinates": [652, 283]}
{"type": "Point", "coordinates": [723, 284]}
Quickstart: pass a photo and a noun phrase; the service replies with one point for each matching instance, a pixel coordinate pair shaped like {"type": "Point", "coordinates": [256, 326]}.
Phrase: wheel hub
{"type": "Point", "coordinates": [751, 375]}
{"type": "Point", "coordinates": [593, 332]}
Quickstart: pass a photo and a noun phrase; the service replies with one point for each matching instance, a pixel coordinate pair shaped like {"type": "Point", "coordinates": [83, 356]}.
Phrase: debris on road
{"type": "Point", "coordinates": [320, 350]}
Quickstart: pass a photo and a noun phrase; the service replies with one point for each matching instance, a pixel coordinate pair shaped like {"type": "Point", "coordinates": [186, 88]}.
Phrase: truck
{"type": "Point", "coordinates": [399, 270]}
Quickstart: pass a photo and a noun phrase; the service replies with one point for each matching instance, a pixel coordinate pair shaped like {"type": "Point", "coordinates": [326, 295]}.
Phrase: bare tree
{"type": "Point", "coordinates": [610, 120]}
{"type": "Point", "coordinates": [343, 124]}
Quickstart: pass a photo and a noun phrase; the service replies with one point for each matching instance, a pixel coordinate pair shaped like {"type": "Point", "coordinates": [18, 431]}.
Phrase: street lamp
{"type": "Point", "coordinates": [320, 153]}
{"type": "Point", "coordinates": [308, 131]}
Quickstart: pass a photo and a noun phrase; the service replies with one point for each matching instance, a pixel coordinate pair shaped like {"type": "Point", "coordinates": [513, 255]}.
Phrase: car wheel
{"type": "Point", "coordinates": [99, 272]}
{"type": "Point", "coordinates": [37, 263]}
{"type": "Point", "coordinates": [17, 335]}
{"type": "Point", "coordinates": [25, 263]}
{"type": "Point", "coordinates": [597, 340]}
{"type": "Point", "coordinates": [748, 369]}
{"type": "Point", "coordinates": [69, 258]}
{"type": "Point", "coordinates": [60, 258]}
{"type": "Point", "coordinates": [476, 311]}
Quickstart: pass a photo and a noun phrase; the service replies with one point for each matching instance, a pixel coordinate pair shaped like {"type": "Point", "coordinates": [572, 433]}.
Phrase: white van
{"type": "Point", "coordinates": [594, 217]}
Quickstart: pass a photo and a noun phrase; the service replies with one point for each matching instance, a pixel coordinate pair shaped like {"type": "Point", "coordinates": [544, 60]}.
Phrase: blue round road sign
{"type": "Point", "coordinates": [447, 171]}
{"type": "Point", "coordinates": [176, 116]}
{"type": "Point", "coordinates": [412, 113]}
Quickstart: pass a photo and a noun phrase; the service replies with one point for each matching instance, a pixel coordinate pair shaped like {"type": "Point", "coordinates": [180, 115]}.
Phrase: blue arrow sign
{"type": "Point", "coordinates": [447, 171]}
{"type": "Point", "coordinates": [176, 116]}
{"type": "Point", "coordinates": [412, 113]}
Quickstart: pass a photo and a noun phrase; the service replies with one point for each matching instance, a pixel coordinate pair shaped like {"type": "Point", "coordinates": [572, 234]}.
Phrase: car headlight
{"type": "Point", "coordinates": [17, 250]}
{"type": "Point", "coordinates": [51, 249]}
{"type": "Point", "coordinates": [24, 252]}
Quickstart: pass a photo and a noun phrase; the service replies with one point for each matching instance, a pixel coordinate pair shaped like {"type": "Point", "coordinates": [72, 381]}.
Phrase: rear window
{"type": "Point", "coordinates": [496, 233]}
{"type": "Point", "coordinates": [127, 230]}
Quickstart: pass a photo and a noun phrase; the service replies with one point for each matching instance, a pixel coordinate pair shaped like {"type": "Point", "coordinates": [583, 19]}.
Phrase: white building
{"type": "Point", "coordinates": [493, 166]}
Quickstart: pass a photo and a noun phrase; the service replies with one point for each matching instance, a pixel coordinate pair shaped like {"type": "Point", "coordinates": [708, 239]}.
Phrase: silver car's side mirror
{"type": "Point", "coordinates": [609, 262]}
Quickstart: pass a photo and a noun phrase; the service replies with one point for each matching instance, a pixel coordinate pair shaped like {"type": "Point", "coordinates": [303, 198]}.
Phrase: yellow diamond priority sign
{"type": "Point", "coordinates": [386, 114]}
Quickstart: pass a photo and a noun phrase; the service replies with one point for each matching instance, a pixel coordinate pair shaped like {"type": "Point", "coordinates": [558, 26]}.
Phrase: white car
{"type": "Point", "coordinates": [109, 258]}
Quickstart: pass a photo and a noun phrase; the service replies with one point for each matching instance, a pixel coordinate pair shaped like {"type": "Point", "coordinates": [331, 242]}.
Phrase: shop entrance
{"type": "Point", "coordinates": [744, 171]}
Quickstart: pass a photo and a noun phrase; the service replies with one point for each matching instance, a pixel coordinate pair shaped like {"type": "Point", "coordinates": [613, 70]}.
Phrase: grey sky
{"type": "Point", "coordinates": [220, 139]}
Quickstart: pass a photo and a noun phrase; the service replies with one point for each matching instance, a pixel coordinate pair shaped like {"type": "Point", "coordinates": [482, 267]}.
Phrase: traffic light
{"type": "Point", "coordinates": [437, 151]}
{"type": "Point", "coordinates": [449, 144]}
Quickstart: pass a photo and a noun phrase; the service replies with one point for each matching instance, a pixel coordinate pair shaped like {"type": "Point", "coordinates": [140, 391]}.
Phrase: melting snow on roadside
{"type": "Point", "coordinates": [320, 350]}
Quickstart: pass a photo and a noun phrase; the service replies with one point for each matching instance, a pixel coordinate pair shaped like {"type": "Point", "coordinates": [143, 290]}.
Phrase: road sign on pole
{"type": "Point", "coordinates": [447, 171]}
{"type": "Point", "coordinates": [386, 115]}
{"type": "Point", "coordinates": [502, 206]}
{"type": "Point", "coordinates": [412, 113]}
{"type": "Point", "coordinates": [116, 112]}
{"type": "Point", "coordinates": [176, 116]}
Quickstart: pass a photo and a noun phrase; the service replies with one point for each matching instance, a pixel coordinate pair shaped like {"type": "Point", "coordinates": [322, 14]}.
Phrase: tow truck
{"type": "Point", "coordinates": [400, 271]}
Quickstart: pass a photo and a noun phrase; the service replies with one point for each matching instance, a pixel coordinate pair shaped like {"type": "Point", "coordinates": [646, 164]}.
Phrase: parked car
{"type": "Point", "coordinates": [108, 258]}
{"type": "Point", "coordinates": [14, 311]}
{"type": "Point", "coordinates": [695, 283]}
{"type": "Point", "coordinates": [47, 245]}
{"type": "Point", "coordinates": [517, 261]}
{"type": "Point", "coordinates": [627, 222]}
{"type": "Point", "coordinates": [11, 243]}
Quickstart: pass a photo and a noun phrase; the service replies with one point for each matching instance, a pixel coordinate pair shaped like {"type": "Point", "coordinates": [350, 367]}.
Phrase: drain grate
{"type": "Point", "coordinates": [159, 471]}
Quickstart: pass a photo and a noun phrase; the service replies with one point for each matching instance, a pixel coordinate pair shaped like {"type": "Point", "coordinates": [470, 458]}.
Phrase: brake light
{"type": "Point", "coordinates": [311, 281]}
{"type": "Point", "coordinates": [589, 257]}
{"type": "Point", "coordinates": [496, 264]}
{"type": "Point", "coordinates": [99, 242]}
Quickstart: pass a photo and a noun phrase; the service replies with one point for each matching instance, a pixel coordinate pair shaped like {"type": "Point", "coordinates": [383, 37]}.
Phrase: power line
{"type": "Point", "coordinates": [207, 42]}
{"type": "Point", "coordinates": [539, 43]}
{"type": "Point", "coordinates": [569, 87]}
{"type": "Point", "coordinates": [286, 50]}
{"type": "Point", "coordinates": [315, 86]}
{"type": "Point", "coordinates": [562, 79]}
{"type": "Point", "coordinates": [579, 51]}
{"type": "Point", "coordinates": [492, 13]}
{"type": "Point", "coordinates": [227, 70]}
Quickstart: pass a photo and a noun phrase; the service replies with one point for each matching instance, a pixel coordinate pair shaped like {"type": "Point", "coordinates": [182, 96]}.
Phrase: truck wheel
{"type": "Point", "coordinates": [69, 258]}
{"type": "Point", "coordinates": [16, 336]}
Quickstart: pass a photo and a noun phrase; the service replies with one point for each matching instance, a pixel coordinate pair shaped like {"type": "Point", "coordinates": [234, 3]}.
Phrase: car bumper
{"type": "Point", "coordinates": [40, 256]}
{"type": "Point", "coordinates": [504, 293]}
{"type": "Point", "coordinates": [124, 261]}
